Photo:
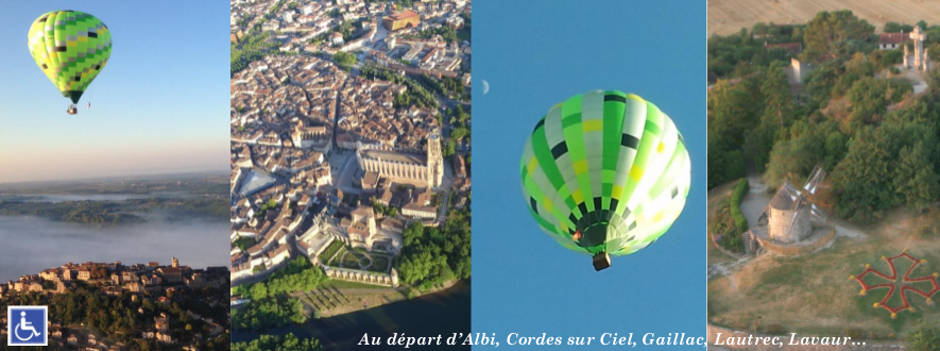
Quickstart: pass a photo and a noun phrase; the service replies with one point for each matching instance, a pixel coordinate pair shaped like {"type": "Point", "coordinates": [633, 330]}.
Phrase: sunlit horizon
{"type": "Point", "coordinates": [142, 174]}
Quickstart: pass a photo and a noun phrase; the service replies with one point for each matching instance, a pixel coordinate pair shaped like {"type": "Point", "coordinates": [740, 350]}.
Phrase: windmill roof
{"type": "Point", "coordinates": [785, 198]}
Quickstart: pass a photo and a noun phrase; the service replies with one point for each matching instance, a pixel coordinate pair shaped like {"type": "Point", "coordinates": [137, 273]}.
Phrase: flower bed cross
{"type": "Point", "coordinates": [905, 282]}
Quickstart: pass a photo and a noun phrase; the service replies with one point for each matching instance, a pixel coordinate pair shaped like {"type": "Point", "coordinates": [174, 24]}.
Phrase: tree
{"type": "Point", "coordinates": [916, 179]}
{"type": "Point", "coordinates": [412, 233]}
{"type": "Point", "coordinates": [894, 57]}
{"type": "Point", "coordinates": [892, 27]}
{"type": "Point", "coordinates": [821, 82]}
{"type": "Point", "coordinates": [286, 342]}
{"type": "Point", "coordinates": [777, 115]}
{"type": "Point", "coordinates": [415, 268]}
{"type": "Point", "coordinates": [924, 338]}
{"type": "Point", "coordinates": [870, 98]}
{"type": "Point", "coordinates": [344, 59]}
{"type": "Point", "coordinates": [244, 242]}
{"type": "Point", "coordinates": [434, 255]}
{"type": "Point", "coordinates": [933, 50]}
{"type": "Point", "coordinates": [254, 46]}
{"type": "Point", "coordinates": [760, 29]}
{"type": "Point", "coordinates": [267, 313]}
{"type": "Point", "coordinates": [863, 179]}
{"type": "Point", "coordinates": [726, 52]}
{"type": "Point", "coordinates": [450, 147]}
{"type": "Point", "coordinates": [733, 111]}
{"type": "Point", "coordinates": [833, 34]}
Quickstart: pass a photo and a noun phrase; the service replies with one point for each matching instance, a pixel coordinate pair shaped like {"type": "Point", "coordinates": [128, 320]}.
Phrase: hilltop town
{"type": "Point", "coordinates": [350, 124]}
{"type": "Point", "coordinates": [153, 306]}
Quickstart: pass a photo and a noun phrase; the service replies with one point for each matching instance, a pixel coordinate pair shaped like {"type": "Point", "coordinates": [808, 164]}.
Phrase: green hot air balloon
{"type": "Point", "coordinates": [605, 173]}
{"type": "Point", "coordinates": [70, 47]}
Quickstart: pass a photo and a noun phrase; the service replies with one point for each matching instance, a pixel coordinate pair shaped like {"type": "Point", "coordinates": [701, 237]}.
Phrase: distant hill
{"type": "Point", "coordinates": [133, 184]}
{"type": "Point", "coordinates": [729, 16]}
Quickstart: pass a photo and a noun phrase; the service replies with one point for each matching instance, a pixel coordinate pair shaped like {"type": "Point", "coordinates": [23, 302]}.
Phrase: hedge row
{"type": "Point", "coordinates": [739, 190]}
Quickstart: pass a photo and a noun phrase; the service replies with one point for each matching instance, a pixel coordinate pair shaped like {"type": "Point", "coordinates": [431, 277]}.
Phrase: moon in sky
{"type": "Point", "coordinates": [486, 87]}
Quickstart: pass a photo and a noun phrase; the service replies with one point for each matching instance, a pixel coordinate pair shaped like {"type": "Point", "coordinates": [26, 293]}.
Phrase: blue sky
{"type": "Point", "coordinates": [534, 55]}
{"type": "Point", "coordinates": [160, 106]}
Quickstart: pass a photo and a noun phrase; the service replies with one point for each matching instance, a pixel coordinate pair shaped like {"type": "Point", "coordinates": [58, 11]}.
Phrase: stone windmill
{"type": "Point", "coordinates": [792, 209]}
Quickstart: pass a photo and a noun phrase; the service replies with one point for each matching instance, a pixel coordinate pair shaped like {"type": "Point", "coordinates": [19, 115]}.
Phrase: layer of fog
{"type": "Point", "coordinates": [31, 244]}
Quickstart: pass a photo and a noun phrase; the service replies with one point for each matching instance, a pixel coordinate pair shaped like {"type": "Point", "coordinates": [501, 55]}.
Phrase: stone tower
{"type": "Point", "coordinates": [435, 161]}
{"type": "Point", "coordinates": [372, 230]}
{"type": "Point", "coordinates": [788, 220]}
{"type": "Point", "coordinates": [905, 62]}
{"type": "Point", "coordinates": [175, 262]}
{"type": "Point", "coordinates": [918, 38]}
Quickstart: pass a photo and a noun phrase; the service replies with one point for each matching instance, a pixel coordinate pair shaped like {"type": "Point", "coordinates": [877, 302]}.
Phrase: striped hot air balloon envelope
{"type": "Point", "coordinates": [71, 48]}
{"type": "Point", "coordinates": [605, 173]}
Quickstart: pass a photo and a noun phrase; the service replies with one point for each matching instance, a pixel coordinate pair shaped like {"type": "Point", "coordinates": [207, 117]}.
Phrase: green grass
{"type": "Point", "coordinates": [787, 272]}
{"type": "Point", "coordinates": [866, 308]}
{"type": "Point", "coordinates": [350, 258]}
{"type": "Point", "coordinates": [821, 281]}
{"type": "Point", "coordinates": [332, 260]}
{"type": "Point", "coordinates": [244, 242]}
{"type": "Point", "coordinates": [379, 264]}
{"type": "Point", "coordinates": [739, 190]}
{"type": "Point", "coordinates": [723, 224]}
{"type": "Point", "coordinates": [335, 246]}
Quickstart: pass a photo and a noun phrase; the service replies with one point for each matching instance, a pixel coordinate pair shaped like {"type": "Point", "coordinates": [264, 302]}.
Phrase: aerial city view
{"type": "Point", "coordinates": [824, 220]}
{"type": "Point", "coordinates": [350, 156]}
{"type": "Point", "coordinates": [103, 222]}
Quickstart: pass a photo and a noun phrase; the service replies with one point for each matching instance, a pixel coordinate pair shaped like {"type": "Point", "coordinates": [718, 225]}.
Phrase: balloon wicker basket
{"type": "Point", "coordinates": [601, 261]}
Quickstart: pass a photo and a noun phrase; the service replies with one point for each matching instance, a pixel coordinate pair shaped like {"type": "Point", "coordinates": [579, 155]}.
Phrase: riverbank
{"type": "Point", "coordinates": [440, 312]}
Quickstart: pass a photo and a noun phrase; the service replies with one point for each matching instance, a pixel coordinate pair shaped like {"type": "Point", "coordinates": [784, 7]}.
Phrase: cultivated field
{"type": "Point", "coordinates": [729, 16]}
{"type": "Point", "coordinates": [339, 297]}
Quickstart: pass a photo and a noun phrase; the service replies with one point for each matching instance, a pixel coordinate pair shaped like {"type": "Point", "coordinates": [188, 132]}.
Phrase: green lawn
{"type": "Point", "coordinates": [335, 246]}
{"type": "Point", "coordinates": [351, 257]}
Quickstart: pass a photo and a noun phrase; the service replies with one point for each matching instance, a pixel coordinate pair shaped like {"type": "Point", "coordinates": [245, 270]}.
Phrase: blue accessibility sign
{"type": "Point", "coordinates": [26, 325]}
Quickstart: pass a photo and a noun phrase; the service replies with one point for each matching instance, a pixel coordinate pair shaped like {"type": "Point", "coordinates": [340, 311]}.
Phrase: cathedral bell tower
{"type": "Point", "coordinates": [435, 160]}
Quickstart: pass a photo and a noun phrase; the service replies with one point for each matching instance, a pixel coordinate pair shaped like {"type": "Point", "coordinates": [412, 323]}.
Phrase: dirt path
{"type": "Point", "coordinates": [716, 270]}
{"type": "Point", "coordinates": [756, 199]}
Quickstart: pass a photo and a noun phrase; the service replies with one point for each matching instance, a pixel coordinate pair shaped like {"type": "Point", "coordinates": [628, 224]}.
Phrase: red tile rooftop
{"type": "Point", "coordinates": [892, 38]}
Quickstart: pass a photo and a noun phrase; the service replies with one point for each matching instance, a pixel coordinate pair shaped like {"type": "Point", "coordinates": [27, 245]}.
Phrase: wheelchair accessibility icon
{"type": "Point", "coordinates": [26, 325]}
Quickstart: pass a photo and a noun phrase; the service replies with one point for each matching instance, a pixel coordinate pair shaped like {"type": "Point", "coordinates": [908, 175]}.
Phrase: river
{"type": "Point", "coordinates": [31, 244]}
{"type": "Point", "coordinates": [443, 312]}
